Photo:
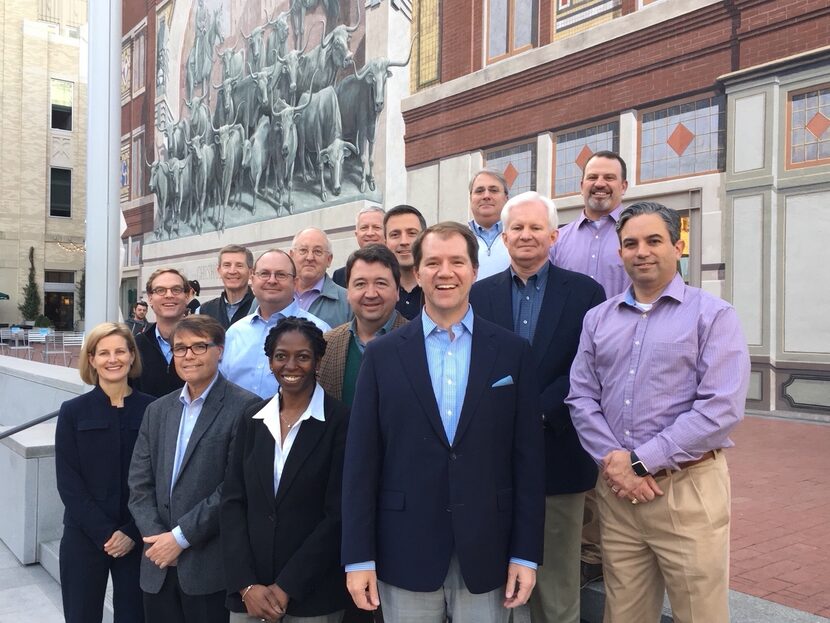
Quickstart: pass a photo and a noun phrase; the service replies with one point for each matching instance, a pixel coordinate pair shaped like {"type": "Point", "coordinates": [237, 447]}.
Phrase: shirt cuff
{"type": "Point", "coordinates": [524, 563]}
{"type": "Point", "coordinates": [369, 565]}
{"type": "Point", "coordinates": [179, 536]}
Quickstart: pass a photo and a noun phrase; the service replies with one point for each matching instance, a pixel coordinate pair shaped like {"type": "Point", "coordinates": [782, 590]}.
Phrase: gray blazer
{"type": "Point", "coordinates": [331, 306]}
{"type": "Point", "coordinates": [194, 501]}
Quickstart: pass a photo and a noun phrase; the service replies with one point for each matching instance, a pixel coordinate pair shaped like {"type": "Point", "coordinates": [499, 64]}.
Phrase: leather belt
{"type": "Point", "coordinates": [681, 466]}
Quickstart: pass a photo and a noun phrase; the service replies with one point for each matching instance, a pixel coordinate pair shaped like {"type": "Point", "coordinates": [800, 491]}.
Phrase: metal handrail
{"type": "Point", "coordinates": [21, 427]}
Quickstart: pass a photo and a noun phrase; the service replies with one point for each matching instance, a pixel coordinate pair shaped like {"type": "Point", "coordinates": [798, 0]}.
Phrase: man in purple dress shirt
{"type": "Point", "coordinates": [589, 245]}
{"type": "Point", "coordinates": [659, 381]}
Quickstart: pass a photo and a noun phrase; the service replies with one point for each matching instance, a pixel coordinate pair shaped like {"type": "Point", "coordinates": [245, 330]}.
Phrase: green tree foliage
{"type": "Point", "coordinates": [31, 306]}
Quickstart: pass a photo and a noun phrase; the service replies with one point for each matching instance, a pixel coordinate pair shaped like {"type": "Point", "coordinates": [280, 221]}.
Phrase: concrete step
{"type": "Point", "coordinates": [49, 555]}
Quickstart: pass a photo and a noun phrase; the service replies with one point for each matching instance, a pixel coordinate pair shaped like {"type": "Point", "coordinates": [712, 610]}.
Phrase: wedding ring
{"type": "Point", "coordinates": [634, 501]}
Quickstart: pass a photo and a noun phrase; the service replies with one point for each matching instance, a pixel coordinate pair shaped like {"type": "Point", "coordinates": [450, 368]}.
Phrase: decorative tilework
{"type": "Point", "coordinates": [683, 139]}
{"type": "Point", "coordinates": [517, 163]}
{"type": "Point", "coordinates": [580, 15]}
{"type": "Point", "coordinates": [573, 150]}
{"type": "Point", "coordinates": [810, 128]}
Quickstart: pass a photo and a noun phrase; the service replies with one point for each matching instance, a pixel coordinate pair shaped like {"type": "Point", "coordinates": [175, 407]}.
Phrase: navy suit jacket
{"type": "Point", "coordinates": [568, 296]}
{"type": "Point", "coordinates": [411, 499]}
{"type": "Point", "coordinates": [88, 463]}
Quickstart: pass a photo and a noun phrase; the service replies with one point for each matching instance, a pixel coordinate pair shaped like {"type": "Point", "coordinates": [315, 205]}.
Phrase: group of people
{"type": "Point", "coordinates": [432, 431]}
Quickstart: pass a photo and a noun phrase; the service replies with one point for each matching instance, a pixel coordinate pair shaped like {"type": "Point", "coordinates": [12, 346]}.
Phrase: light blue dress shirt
{"type": "Point", "coordinates": [448, 361]}
{"type": "Point", "coordinates": [191, 409]}
{"type": "Point", "coordinates": [166, 349]}
{"type": "Point", "coordinates": [244, 361]}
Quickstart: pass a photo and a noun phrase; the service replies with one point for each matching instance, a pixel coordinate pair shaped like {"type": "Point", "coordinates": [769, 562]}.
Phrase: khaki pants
{"type": "Point", "coordinates": [678, 542]}
{"type": "Point", "coordinates": [555, 599]}
{"type": "Point", "coordinates": [591, 548]}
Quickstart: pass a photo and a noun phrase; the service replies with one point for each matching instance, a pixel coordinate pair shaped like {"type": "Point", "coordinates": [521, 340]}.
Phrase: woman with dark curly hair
{"type": "Point", "coordinates": [281, 500]}
{"type": "Point", "coordinates": [94, 441]}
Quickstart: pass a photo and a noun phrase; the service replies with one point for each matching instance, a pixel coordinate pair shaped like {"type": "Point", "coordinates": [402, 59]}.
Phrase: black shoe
{"type": "Point", "coordinates": [589, 572]}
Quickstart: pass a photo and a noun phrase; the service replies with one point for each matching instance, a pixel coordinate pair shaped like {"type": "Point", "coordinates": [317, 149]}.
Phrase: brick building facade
{"type": "Point", "coordinates": [720, 108]}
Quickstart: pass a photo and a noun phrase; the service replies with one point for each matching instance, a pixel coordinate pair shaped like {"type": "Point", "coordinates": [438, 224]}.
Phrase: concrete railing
{"type": "Point", "coordinates": [32, 511]}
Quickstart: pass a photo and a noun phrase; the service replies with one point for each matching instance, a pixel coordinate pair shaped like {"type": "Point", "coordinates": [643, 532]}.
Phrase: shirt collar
{"type": "Point", "coordinates": [675, 290]}
{"type": "Point", "coordinates": [495, 227]}
{"type": "Point", "coordinates": [386, 328]}
{"type": "Point", "coordinates": [270, 413]}
{"type": "Point", "coordinates": [430, 325]}
{"type": "Point", "coordinates": [541, 274]}
{"type": "Point", "coordinates": [184, 395]}
{"type": "Point", "coordinates": [614, 215]}
{"type": "Point", "coordinates": [159, 337]}
{"type": "Point", "coordinates": [291, 310]}
{"type": "Point", "coordinates": [317, 286]}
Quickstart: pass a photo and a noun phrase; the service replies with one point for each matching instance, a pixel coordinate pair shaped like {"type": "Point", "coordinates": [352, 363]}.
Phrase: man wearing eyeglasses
{"type": "Point", "coordinates": [167, 290]}
{"type": "Point", "coordinates": [316, 292]}
{"type": "Point", "coordinates": [175, 479]}
{"type": "Point", "coordinates": [244, 361]}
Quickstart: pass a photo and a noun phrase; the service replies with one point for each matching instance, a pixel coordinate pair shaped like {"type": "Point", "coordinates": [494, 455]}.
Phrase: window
{"type": "Point", "coordinates": [60, 194]}
{"type": "Point", "coordinates": [573, 150]}
{"type": "Point", "coordinates": [61, 94]}
{"type": "Point", "coordinates": [59, 276]}
{"type": "Point", "coordinates": [518, 165]}
{"type": "Point", "coordinates": [137, 166]}
{"type": "Point", "coordinates": [426, 49]}
{"type": "Point", "coordinates": [809, 128]}
{"type": "Point", "coordinates": [684, 139]}
{"type": "Point", "coordinates": [139, 61]}
{"type": "Point", "coordinates": [511, 27]}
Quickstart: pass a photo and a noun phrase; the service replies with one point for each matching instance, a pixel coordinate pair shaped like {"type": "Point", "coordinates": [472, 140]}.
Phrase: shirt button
{"type": "Point", "coordinates": [645, 316]}
{"type": "Point", "coordinates": [636, 343]}
{"type": "Point", "coordinates": [407, 302]}
{"type": "Point", "coordinates": [628, 402]}
{"type": "Point", "coordinates": [524, 321]}
{"type": "Point", "coordinates": [597, 237]}
{"type": "Point", "coordinates": [449, 411]}
{"type": "Point", "coordinates": [593, 256]}
{"type": "Point", "coordinates": [627, 433]}
{"type": "Point", "coordinates": [449, 381]}
{"type": "Point", "coordinates": [631, 371]}
{"type": "Point", "coordinates": [449, 352]}
{"type": "Point", "coordinates": [527, 298]}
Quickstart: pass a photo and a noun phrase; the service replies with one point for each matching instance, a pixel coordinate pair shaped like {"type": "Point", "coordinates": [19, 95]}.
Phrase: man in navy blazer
{"type": "Point", "coordinates": [546, 305]}
{"type": "Point", "coordinates": [443, 506]}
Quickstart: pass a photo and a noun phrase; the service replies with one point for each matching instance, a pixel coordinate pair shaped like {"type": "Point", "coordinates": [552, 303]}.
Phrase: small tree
{"type": "Point", "coordinates": [30, 308]}
{"type": "Point", "coordinates": [81, 291]}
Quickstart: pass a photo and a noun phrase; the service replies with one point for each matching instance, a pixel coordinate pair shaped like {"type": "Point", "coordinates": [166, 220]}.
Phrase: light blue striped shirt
{"type": "Point", "coordinates": [191, 409]}
{"type": "Point", "coordinates": [448, 361]}
{"type": "Point", "coordinates": [244, 361]}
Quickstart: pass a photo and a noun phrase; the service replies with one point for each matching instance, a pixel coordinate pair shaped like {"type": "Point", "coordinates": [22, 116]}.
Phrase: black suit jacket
{"type": "Point", "coordinates": [158, 378]}
{"type": "Point", "coordinates": [215, 308]}
{"type": "Point", "coordinates": [339, 277]}
{"type": "Point", "coordinates": [88, 463]}
{"type": "Point", "coordinates": [292, 538]}
{"type": "Point", "coordinates": [568, 296]}
{"type": "Point", "coordinates": [411, 499]}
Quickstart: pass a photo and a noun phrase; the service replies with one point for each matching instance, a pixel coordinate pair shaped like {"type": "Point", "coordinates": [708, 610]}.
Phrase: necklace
{"type": "Point", "coordinates": [287, 425]}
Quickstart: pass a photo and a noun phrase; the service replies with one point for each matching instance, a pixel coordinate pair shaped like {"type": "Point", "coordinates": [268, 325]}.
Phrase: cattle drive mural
{"type": "Point", "coordinates": [271, 112]}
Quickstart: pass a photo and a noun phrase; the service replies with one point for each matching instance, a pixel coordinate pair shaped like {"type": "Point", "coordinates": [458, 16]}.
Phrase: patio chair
{"type": "Point", "coordinates": [54, 345]}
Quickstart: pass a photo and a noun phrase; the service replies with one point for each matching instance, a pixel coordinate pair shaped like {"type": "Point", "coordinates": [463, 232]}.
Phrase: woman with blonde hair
{"type": "Point", "coordinates": [94, 443]}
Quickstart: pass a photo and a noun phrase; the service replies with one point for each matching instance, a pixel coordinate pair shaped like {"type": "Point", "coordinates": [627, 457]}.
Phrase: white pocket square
{"type": "Point", "coordinates": [508, 380]}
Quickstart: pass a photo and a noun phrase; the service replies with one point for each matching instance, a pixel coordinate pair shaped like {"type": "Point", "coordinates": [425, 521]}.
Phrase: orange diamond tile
{"type": "Point", "coordinates": [510, 174]}
{"type": "Point", "coordinates": [818, 125]}
{"type": "Point", "coordinates": [582, 158]}
{"type": "Point", "coordinates": [680, 139]}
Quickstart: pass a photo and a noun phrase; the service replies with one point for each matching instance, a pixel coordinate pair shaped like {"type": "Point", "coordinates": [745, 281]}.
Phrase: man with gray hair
{"type": "Point", "coordinates": [658, 382]}
{"type": "Point", "coordinates": [546, 304]}
{"type": "Point", "coordinates": [368, 230]}
{"type": "Point", "coordinates": [316, 293]}
{"type": "Point", "coordinates": [488, 193]}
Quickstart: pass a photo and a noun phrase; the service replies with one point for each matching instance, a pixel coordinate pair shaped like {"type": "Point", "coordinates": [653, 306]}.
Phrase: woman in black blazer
{"type": "Point", "coordinates": [280, 526]}
{"type": "Point", "coordinates": [94, 443]}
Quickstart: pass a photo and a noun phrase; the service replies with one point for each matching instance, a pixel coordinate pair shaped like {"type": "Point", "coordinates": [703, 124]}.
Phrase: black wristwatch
{"type": "Point", "coordinates": [638, 466]}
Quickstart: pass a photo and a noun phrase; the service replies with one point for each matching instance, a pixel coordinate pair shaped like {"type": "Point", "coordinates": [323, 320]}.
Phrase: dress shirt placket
{"type": "Point", "coordinates": [524, 317]}
{"type": "Point", "coordinates": [449, 375]}
{"type": "Point", "coordinates": [628, 392]}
